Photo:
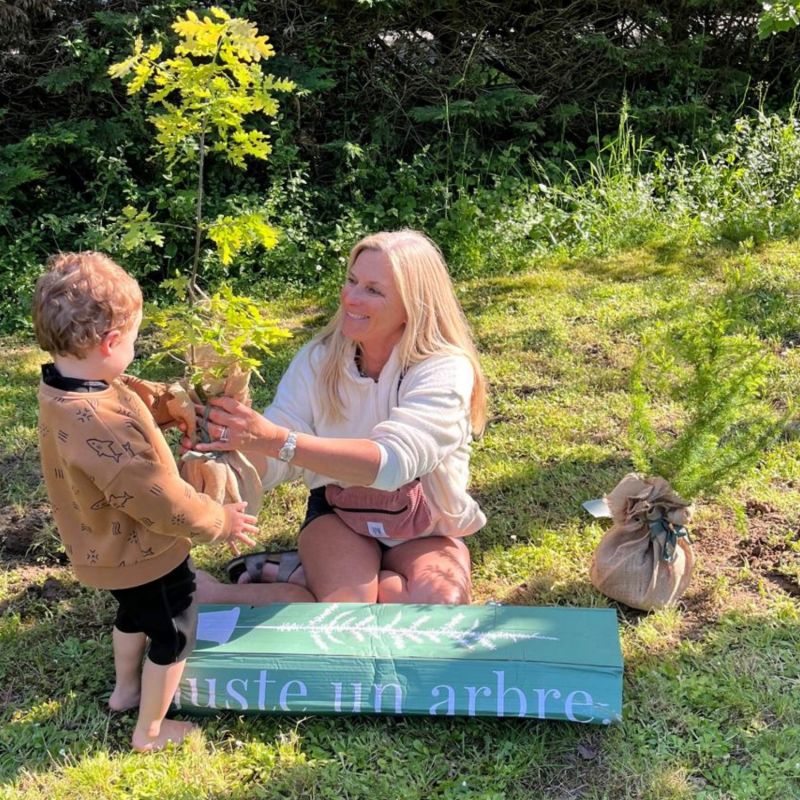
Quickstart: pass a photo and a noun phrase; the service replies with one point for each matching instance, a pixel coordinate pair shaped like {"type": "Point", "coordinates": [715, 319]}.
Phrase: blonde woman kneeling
{"type": "Point", "coordinates": [388, 392]}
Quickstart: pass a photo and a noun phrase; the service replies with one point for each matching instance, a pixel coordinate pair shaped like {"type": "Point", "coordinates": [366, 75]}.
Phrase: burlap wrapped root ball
{"type": "Point", "coordinates": [227, 477]}
{"type": "Point", "coordinates": [645, 560]}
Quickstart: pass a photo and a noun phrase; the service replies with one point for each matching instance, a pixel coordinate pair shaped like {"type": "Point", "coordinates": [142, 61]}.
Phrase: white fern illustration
{"type": "Point", "coordinates": [331, 624]}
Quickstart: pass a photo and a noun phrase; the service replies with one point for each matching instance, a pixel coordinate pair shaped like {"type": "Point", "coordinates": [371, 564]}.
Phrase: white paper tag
{"type": "Point", "coordinates": [376, 529]}
{"type": "Point", "coordinates": [598, 507]}
{"type": "Point", "coordinates": [217, 626]}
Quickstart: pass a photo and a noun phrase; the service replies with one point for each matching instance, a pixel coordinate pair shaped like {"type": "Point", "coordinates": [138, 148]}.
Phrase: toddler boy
{"type": "Point", "coordinates": [126, 518]}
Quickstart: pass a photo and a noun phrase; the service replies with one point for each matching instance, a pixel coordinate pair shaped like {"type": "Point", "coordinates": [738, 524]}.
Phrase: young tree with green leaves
{"type": "Point", "coordinates": [204, 100]}
{"type": "Point", "coordinates": [702, 391]}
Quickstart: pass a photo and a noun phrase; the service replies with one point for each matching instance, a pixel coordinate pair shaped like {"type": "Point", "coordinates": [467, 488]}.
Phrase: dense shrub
{"type": "Point", "coordinates": [487, 222]}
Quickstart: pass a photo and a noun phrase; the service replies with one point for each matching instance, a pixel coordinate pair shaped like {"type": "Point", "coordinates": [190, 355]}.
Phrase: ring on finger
{"type": "Point", "coordinates": [225, 434]}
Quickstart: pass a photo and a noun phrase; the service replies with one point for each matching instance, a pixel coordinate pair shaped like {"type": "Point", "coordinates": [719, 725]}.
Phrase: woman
{"type": "Point", "coordinates": [391, 390]}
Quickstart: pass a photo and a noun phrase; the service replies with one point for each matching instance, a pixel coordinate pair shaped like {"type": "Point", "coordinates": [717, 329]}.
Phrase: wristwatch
{"type": "Point", "coordinates": [286, 453]}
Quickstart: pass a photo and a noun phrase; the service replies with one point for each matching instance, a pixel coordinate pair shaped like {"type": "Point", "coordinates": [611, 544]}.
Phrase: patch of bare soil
{"type": "Point", "coordinates": [26, 548]}
{"type": "Point", "coordinates": [770, 552]}
{"type": "Point", "coordinates": [37, 586]}
{"type": "Point", "coordinates": [18, 530]}
{"type": "Point", "coordinates": [51, 590]}
{"type": "Point", "coordinates": [731, 566]}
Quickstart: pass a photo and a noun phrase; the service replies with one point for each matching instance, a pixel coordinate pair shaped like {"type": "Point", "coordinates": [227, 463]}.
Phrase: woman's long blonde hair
{"type": "Point", "coordinates": [435, 321]}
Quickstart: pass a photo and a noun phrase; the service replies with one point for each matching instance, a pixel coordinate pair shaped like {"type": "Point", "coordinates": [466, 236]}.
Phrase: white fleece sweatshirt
{"type": "Point", "coordinates": [420, 422]}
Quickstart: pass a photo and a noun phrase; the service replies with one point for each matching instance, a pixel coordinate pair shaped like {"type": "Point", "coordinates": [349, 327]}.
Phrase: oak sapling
{"type": "Point", "coordinates": [205, 98]}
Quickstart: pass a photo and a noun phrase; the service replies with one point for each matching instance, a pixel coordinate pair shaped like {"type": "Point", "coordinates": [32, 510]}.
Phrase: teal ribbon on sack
{"type": "Point", "coordinates": [671, 535]}
{"type": "Point", "coordinates": [202, 433]}
{"type": "Point", "coordinates": [202, 427]}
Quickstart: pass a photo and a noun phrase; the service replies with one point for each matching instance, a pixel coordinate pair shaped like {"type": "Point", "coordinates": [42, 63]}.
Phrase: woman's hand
{"type": "Point", "coordinates": [235, 426]}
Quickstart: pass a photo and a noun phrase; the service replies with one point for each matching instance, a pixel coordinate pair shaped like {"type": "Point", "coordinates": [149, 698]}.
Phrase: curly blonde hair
{"type": "Point", "coordinates": [79, 299]}
{"type": "Point", "coordinates": [435, 321]}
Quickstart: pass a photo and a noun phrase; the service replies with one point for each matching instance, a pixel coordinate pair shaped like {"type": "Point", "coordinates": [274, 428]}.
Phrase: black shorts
{"type": "Point", "coordinates": [318, 506]}
{"type": "Point", "coordinates": [165, 610]}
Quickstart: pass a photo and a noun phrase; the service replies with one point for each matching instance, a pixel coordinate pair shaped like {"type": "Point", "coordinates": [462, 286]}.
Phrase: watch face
{"type": "Point", "coordinates": [287, 451]}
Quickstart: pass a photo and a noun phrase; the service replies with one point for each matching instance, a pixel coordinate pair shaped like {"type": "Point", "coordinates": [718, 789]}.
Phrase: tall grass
{"type": "Point", "coordinates": [629, 196]}
{"type": "Point", "coordinates": [493, 214]}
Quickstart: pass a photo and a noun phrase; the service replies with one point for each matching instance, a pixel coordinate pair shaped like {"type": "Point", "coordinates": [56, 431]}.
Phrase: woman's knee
{"type": "Point", "coordinates": [439, 593]}
{"type": "Point", "coordinates": [391, 587]}
{"type": "Point", "coordinates": [435, 570]}
{"type": "Point", "coordinates": [440, 586]}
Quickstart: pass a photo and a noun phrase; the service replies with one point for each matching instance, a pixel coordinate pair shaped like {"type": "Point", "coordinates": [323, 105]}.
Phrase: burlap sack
{"type": "Point", "coordinates": [227, 477]}
{"type": "Point", "coordinates": [645, 560]}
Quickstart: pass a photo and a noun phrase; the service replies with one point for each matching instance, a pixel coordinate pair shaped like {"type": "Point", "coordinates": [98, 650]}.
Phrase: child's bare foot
{"type": "Point", "coordinates": [171, 731]}
{"type": "Point", "coordinates": [124, 698]}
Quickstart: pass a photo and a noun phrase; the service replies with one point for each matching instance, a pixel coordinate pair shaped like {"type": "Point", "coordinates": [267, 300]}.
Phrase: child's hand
{"type": "Point", "coordinates": [185, 445]}
{"type": "Point", "coordinates": [239, 524]}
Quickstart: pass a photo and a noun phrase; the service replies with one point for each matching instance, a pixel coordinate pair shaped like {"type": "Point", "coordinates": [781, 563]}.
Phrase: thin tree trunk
{"type": "Point", "coordinates": [194, 289]}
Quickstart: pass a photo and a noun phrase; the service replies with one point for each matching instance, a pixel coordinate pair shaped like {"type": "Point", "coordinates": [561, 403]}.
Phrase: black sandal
{"type": "Point", "coordinates": [252, 563]}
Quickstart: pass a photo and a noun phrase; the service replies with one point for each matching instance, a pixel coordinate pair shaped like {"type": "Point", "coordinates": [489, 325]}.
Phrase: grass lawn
{"type": "Point", "coordinates": [712, 688]}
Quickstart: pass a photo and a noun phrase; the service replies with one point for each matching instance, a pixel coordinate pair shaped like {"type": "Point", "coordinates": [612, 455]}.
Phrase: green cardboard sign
{"type": "Point", "coordinates": [354, 658]}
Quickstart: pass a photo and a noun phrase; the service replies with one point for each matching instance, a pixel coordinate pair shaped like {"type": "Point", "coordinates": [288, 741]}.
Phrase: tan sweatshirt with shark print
{"type": "Point", "coordinates": [123, 513]}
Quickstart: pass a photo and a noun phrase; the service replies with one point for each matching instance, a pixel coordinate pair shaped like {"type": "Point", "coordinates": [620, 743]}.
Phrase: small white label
{"type": "Point", "coordinates": [597, 508]}
{"type": "Point", "coordinates": [376, 529]}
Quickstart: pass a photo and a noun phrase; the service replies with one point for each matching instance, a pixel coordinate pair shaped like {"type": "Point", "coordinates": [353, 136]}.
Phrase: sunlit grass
{"type": "Point", "coordinates": [712, 703]}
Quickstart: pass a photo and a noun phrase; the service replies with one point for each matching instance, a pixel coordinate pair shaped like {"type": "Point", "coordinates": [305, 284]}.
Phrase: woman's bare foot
{"type": "Point", "coordinates": [203, 580]}
{"type": "Point", "coordinates": [171, 731]}
{"type": "Point", "coordinates": [210, 590]}
{"type": "Point", "coordinates": [269, 574]}
{"type": "Point", "coordinates": [124, 698]}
